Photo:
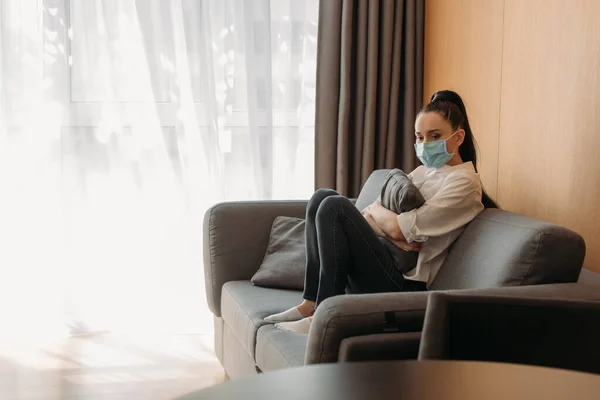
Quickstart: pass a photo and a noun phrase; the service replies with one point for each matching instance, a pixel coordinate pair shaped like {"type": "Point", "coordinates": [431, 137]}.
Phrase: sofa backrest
{"type": "Point", "coordinates": [500, 248]}
{"type": "Point", "coordinates": [371, 189]}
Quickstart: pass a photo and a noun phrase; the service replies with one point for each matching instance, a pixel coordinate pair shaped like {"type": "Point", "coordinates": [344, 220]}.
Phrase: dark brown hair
{"type": "Point", "coordinates": [451, 107]}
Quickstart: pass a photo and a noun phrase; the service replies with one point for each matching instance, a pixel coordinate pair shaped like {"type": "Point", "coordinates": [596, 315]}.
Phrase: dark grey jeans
{"type": "Point", "coordinates": [343, 250]}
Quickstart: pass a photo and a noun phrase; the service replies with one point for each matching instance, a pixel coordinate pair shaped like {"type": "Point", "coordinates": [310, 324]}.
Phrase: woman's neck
{"type": "Point", "coordinates": [456, 160]}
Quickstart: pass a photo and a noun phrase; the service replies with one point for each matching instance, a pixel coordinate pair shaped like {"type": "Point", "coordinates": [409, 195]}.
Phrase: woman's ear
{"type": "Point", "coordinates": [460, 137]}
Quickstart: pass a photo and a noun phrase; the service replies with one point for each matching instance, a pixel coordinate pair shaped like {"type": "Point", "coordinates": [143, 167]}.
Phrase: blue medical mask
{"type": "Point", "coordinates": [434, 154]}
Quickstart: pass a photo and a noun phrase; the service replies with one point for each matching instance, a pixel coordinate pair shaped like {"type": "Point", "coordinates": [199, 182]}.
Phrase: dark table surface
{"type": "Point", "coordinates": [407, 380]}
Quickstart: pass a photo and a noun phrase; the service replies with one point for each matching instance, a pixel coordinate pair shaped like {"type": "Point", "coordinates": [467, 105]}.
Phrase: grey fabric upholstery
{"type": "Point", "coordinates": [284, 264]}
{"type": "Point", "coordinates": [236, 360]}
{"type": "Point", "coordinates": [235, 239]}
{"type": "Point", "coordinates": [545, 332]}
{"type": "Point", "coordinates": [276, 349]}
{"type": "Point", "coordinates": [371, 189]}
{"type": "Point", "coordinates": [218, 324]}
{"type": "Point", "coordinates": [244, 306]}
{"type": "Point", "coordinates": [499, 248]}
{"type": "Point", "coordinates": [383, 346]}
{"type": "Point", "coordinates": [346, 316]}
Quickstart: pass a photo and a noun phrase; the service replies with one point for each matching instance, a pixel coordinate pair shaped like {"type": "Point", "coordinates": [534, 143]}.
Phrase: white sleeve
{"type": "Point", "coordinates": [453, 206]}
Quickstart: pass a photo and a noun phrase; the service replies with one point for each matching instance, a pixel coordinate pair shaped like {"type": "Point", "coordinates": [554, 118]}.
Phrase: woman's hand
{"type": "Point", "coordinates": [375, 205]}
{"type": "Point", "coordinates": [414, 246]}
{"type": "Point", "coordinates": [373, 224]}
{"type": "Point", "coordinates": [386, 220]}
{"type": "Point", "coordinates": [367, 209]}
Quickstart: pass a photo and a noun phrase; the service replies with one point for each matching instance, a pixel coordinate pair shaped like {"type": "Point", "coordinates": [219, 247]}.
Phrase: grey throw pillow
{"type": "Point", "coordinates": [285, 260]}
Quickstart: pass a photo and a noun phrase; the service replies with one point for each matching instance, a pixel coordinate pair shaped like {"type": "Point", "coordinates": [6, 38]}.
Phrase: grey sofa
{"type": "Point", "coordinates": [499, 253]}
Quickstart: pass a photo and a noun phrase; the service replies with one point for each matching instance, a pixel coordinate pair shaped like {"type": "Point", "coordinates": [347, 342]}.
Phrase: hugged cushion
{"type": "Point", "coordinates": [285, 260]}
{"type": "Point", "coordinates": [399, 195]}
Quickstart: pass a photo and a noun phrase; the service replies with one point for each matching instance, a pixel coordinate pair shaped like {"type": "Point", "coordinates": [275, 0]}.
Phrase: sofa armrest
{"type": "Point", "coordinates": [342, 317]}
{"type": "Point", "coordinates": [235, 237]}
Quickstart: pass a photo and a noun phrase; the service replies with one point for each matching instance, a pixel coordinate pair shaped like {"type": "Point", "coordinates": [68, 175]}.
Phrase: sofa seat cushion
{"type": "Point", "coordinates": [276, 349]}
{"type": "Point", "coordinates": [244, 306]}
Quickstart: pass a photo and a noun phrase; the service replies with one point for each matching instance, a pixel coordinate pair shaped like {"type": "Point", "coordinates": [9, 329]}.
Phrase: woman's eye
{"type": "Point", "coordinates": [435, 137]}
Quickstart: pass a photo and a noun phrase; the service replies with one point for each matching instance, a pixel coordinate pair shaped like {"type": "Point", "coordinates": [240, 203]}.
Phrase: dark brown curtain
{"type": "Point", "coordinates": [369, 89]}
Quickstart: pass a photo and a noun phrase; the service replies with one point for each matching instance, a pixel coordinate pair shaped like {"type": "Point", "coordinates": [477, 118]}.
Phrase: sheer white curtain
{"type": "Point", "coordinates": [121, 122]}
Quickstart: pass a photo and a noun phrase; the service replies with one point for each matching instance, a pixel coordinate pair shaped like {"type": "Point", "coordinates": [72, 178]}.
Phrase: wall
{"type": "Point", "coordinates": [529, 72]}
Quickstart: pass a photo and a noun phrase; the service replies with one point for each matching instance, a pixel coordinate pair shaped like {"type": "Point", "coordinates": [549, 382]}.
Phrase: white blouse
{"type": "Point", "coordinates": [452, 199]}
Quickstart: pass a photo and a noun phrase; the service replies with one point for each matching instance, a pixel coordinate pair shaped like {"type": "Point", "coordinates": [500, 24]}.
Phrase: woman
{"type": "Point", "coordinates": [343, 246]}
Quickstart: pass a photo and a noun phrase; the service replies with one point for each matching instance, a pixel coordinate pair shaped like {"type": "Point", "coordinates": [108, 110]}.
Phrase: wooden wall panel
{"type": "Point", "coordinates": [549, 148]}
{"type": "Point", "coordinates": [463, 52]}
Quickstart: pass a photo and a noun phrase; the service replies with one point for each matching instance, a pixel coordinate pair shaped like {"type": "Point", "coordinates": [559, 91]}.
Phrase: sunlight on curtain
{"type": "Point", "coordinates": [121, 122]}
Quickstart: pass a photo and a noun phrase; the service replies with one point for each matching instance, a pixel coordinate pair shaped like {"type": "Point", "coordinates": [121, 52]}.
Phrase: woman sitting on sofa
{"type": "Point", "coordinates": [343, 246]}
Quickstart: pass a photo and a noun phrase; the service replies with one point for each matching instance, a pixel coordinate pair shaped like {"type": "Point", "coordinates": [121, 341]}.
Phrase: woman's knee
{"type": "Point", "coordinates": [334, 203]}
{"type": "Point", "coordinates": [318, 197]}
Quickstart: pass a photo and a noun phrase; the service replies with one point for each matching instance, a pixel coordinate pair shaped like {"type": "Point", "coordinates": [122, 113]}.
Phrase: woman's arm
{"type": "Point", "coordinates": [373, 224]}
{"type": "Point", "coordinates": [387, 221]}
{"type": "Point", "coordinates": [414, 246]}
{"type": "Point", "coordinates": [452, 207]}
